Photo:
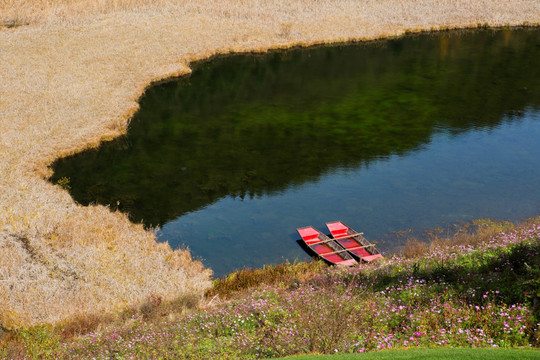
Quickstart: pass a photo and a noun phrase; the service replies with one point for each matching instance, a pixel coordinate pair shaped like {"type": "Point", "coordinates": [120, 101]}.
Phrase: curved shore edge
{"type": "Point", "coordinates": [67, 85]}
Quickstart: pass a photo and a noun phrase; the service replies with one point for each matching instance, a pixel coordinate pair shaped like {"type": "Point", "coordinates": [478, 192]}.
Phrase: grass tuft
{"type": "Point", "coordinates": [285, 274]}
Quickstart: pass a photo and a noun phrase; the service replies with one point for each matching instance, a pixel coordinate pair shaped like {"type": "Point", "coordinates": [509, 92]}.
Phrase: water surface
{"type": "Point", "coordinates": [415, 133]}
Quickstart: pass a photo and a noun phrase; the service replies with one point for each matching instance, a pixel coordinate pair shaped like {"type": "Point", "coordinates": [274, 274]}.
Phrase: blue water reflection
{"type": "Point", "coordinates": [491, 173]}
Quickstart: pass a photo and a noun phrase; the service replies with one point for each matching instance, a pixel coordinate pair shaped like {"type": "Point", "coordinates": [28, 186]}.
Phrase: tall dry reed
{"type": "Point", "coordinates": [71, 72]}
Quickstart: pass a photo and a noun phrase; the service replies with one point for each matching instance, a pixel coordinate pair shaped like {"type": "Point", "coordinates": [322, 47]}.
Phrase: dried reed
{"type": "Point", "coordinates": [71, 73]}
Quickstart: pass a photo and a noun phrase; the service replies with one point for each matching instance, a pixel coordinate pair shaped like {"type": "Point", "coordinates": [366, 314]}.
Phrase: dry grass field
{"type": "Point", "coordinates": [71, 72]}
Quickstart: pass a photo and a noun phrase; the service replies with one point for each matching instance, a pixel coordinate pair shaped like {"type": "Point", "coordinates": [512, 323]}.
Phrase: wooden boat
{"type": "Point", "coordinates": [355, 243]}
{"type": "Point", "coordinates": [327, 249]}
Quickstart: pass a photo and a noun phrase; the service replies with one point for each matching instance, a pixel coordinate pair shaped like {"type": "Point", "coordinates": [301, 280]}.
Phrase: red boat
{"type": "Point", "coordinates": [359, 247]}
{"type": "Point", "coordinates": [326, 248]}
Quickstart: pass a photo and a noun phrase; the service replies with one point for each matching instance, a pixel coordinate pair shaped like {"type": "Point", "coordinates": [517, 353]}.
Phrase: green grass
{"type": "Point", "coordinates": [433, 354]}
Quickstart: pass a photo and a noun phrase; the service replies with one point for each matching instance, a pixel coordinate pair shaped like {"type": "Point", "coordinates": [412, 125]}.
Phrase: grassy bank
{"type": "Point", "coordinates": [473, 290]}
{"type": "Point", "coordinates": [72, 72]}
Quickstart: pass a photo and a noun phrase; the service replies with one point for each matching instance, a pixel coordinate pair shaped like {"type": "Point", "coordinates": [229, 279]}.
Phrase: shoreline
{"type": "Point", "coordinates": [67, 87]}
{"type": "Point", "coordinates": [482, 280]}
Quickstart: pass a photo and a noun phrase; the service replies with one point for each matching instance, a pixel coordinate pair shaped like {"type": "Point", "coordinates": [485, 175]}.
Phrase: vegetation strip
{"type": "Point", "coordinates": [473, 290]}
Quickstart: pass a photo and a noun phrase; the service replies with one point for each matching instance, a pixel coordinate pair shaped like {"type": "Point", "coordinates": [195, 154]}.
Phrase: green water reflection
{"type": "Point", "coordinates": [256, 127]}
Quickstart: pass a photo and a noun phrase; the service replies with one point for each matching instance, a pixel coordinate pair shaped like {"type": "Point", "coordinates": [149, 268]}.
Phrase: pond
{"type": "Point", "coordinates": [410, 133]}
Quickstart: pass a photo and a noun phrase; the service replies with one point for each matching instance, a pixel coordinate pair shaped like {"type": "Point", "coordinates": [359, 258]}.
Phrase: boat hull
{"type": "Point", "coordinates": [355, 243]}
{"type": "Point", "coordinates": [325, 248]}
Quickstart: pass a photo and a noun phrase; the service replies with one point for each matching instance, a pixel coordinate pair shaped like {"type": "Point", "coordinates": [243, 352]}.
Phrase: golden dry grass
{"type": "Point", "coordinates": [71, 72]}
{"type": "Point", "coordinates": [240, 282]}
